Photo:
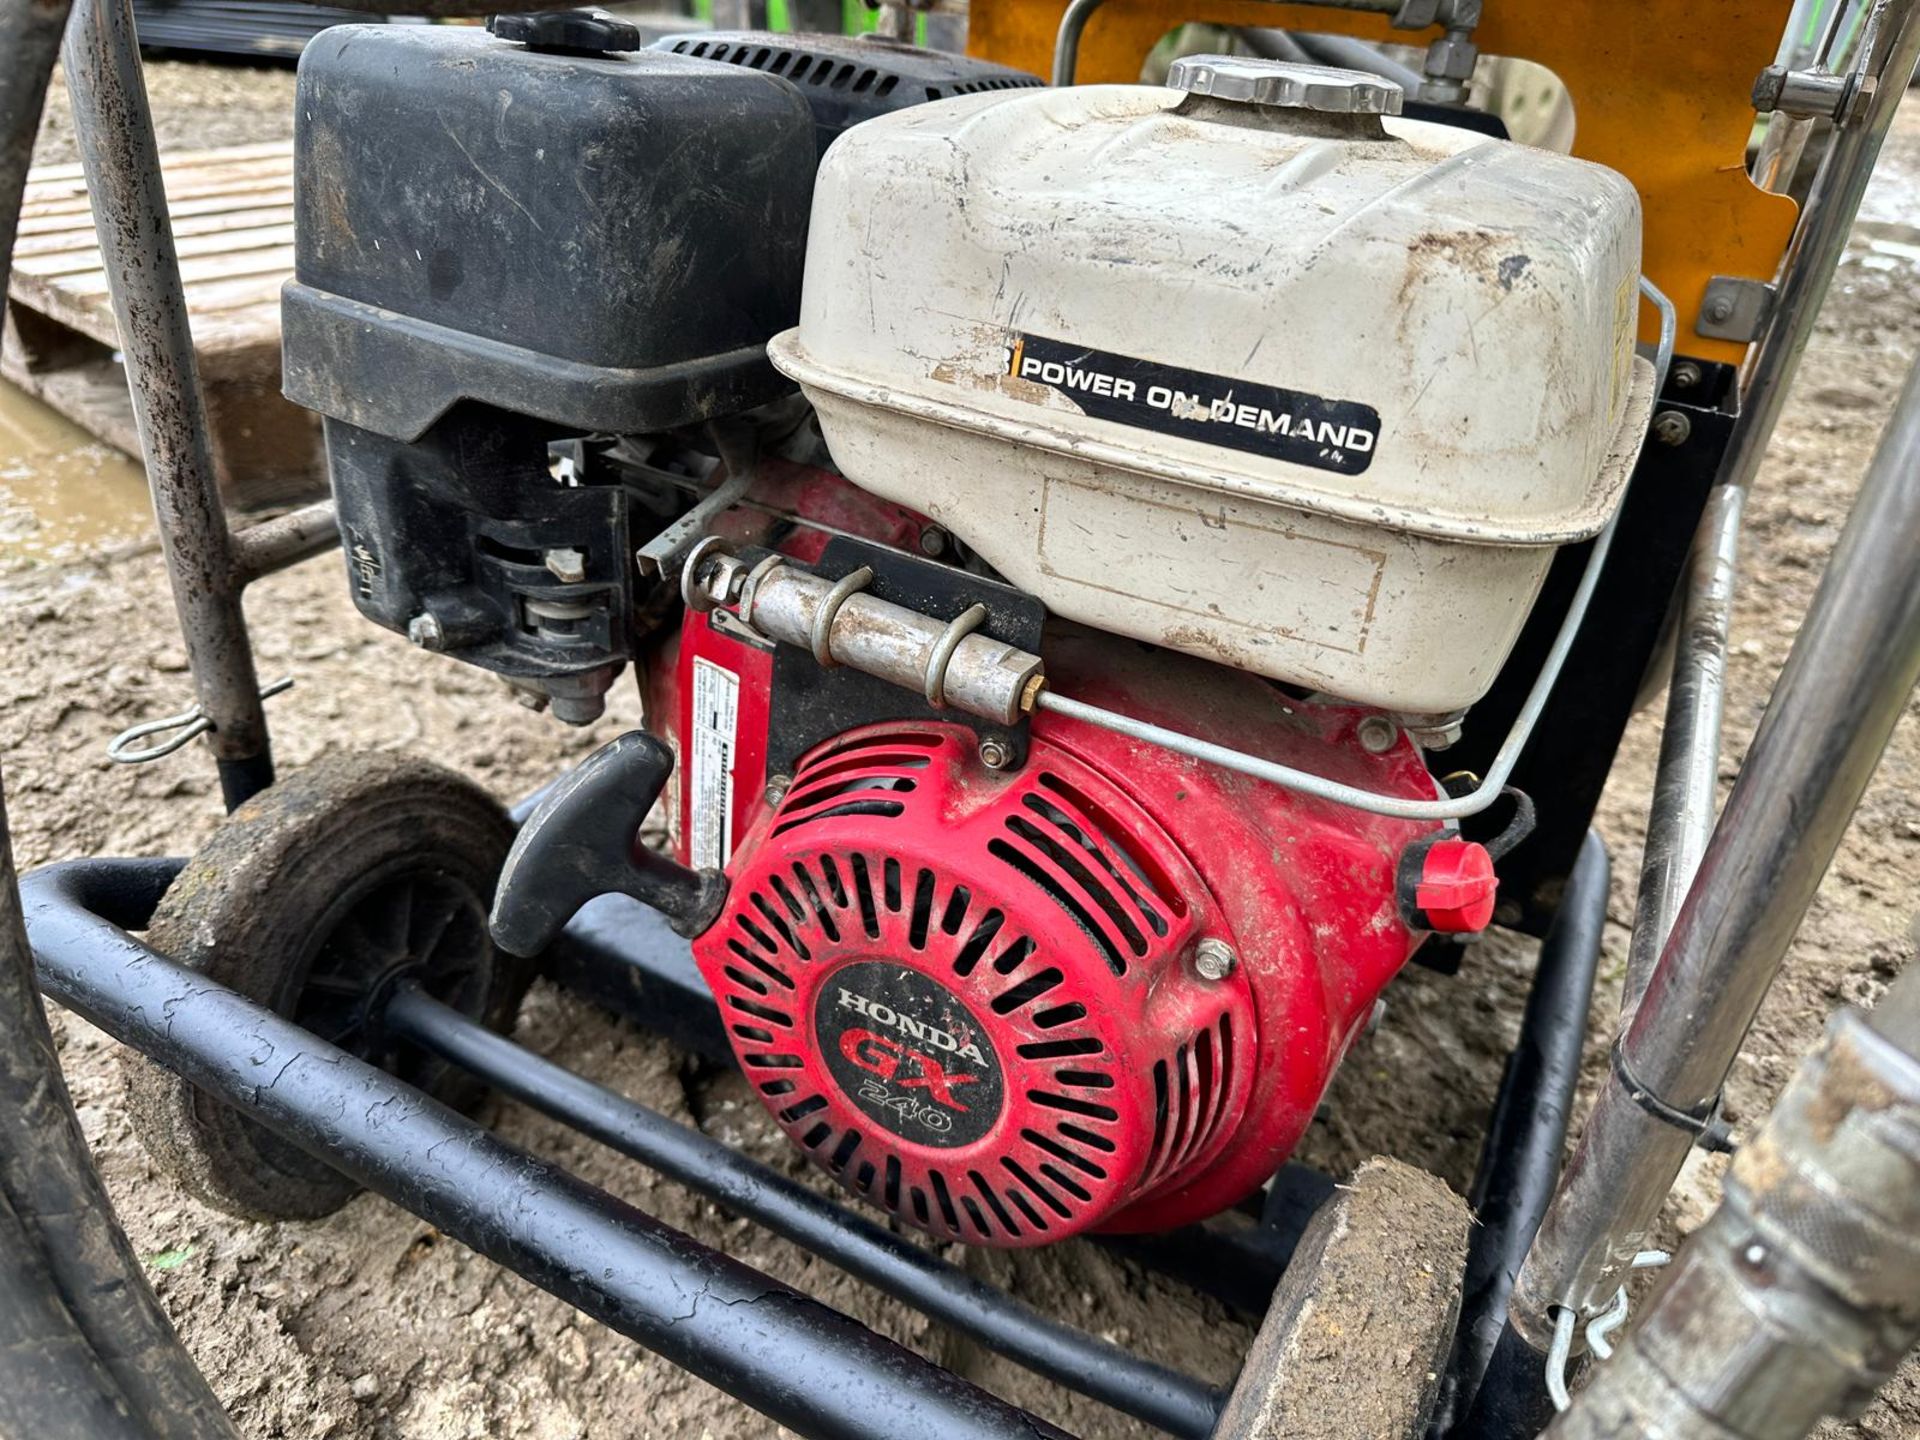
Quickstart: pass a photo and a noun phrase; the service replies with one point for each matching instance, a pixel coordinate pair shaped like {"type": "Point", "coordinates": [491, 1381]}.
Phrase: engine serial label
{"type": "Point", "coordinates": [909, 1054]}
{"type": "Point", "coordinates": [716, 723]}
{"type": "Point", "coordinates": [1290, 425]}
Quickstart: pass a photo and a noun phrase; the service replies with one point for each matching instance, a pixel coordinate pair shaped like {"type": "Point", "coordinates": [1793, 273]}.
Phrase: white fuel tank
{"type": "Point", "coordinates": [1241, 366]}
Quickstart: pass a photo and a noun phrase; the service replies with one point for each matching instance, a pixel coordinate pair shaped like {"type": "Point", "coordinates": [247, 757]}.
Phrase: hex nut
{"type": "Point", "coordinates": [1671, 427]}
{"type": "Point", "coordinates": [1451, 57]}
{"type": "Point", "coordinates": [426, 631]}
{"type": "Point", "coordinates": [995, 753]}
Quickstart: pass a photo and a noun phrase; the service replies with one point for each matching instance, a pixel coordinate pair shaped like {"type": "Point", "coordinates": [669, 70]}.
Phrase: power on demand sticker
{"type": "Point", "coordinates": [1290, 425]}
{"type": "Point", "coordinates": [716, 722]}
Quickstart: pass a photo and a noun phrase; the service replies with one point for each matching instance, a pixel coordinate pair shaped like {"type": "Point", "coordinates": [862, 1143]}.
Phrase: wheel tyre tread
{"type": "Point", "coordinates": [254, 894]}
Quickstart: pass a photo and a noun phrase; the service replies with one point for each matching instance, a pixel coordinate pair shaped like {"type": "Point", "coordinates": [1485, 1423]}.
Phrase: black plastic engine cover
{"type": "Point", "coordinates": [605, 242]}
{"type": "Point", "coordinates": [848, 79]}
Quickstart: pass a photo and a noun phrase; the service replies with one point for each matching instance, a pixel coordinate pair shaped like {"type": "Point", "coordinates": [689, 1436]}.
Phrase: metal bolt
{"type": "Point", "coordinates": [1377, 734]}
{"type": "Point", "coordinates": [1214, 959]}
{"type": "Point", "coordinates": [426, 631]}
{"type": "Point", "coordinates": [1767, 87]}
{"type": "Point", "coordinates": [1686, 375]}
{"type": "Point", "coordinates": [777, 787]}
{"type": "Point", "coordinates": [995, 753]}
{"type": "Point", "coordinates": [933, 541]}
{"type": "Point", "coordinates": [1720, 309]}
{"type": "Point", "coordinates": [1670, 427]}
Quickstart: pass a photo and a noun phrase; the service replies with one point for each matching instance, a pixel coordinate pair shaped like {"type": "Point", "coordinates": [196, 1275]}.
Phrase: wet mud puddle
{"type": "Point", "coordinates": [64, 496]}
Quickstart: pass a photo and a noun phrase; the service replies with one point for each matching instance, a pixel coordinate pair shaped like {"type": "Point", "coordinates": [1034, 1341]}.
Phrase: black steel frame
{"type": "Point", "coordinates": [648, 1281]}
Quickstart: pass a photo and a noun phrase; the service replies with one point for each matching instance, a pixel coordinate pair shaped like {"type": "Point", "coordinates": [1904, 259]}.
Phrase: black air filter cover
{"type": "Point", "coordinates": [847, 79]}
{"type": "Point", "coordinates": [605, 242]}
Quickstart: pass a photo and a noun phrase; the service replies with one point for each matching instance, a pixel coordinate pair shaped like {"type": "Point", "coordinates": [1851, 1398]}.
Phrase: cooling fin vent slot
{"type": "Point", "coordinates": [1190, 1099]}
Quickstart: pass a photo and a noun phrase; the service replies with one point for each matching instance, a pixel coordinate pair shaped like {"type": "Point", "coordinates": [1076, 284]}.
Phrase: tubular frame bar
{"type": "Point", "coordinates": [270, 545]}
{"type": "Point", "coordinates": [1686, 784]}
{"type": "Point", "coordinates": [1845, 684]}
{"type": "Point", "coordinates": [208, 565]}
{"type": "Point", "coordinates": [801, 1363]}
{"type": "Point", "coordinates": [1818, 241]}
{"type": "Point", "coordinates": [1166, 1399]}
{"type": "Point", "coordinates": [114, 128]}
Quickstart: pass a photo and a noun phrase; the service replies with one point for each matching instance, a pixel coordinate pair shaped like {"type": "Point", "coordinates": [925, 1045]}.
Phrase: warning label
{"type": "Point", "coordinates": [1288, 425]}
{"type": "Point", "coordinates": [716, 718]}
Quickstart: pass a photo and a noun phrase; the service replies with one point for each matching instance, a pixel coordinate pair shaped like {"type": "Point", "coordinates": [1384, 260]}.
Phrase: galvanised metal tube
{"type": "Point", "coordinates": [114, 128]}
{"type": "Point", "coordinates": [1796, 1300]}
{"type": "Point", "coordinates": [1686, 785]}
{"type": "Point", "coordinates": [1846, 682]}
{"type": "Point", "coordinates": [803, 1364]}
{"type": "Point", "coordinates": [1176, 1403]}
{"type": "Point", "coordinates": [982, 676]}
{"type": "Point", "coordinates": [1817, 245]}
{"type": "Point", "coordinates": [285, 540]}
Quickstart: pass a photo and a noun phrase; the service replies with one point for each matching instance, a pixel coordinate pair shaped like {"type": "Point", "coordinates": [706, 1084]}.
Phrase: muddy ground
{"type": "Point", "coordinates": [371, 1326]}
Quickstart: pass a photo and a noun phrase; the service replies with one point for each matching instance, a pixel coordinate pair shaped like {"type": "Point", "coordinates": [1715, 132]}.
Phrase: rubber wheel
{"type": "Point", "coordinates": [313, 898]}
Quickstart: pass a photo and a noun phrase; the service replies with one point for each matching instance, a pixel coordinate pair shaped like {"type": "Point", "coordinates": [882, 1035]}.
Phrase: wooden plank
{"type": "Point", "coordinates": [178, 159]}
{"type": "Point", "coordinates": [274, 259]}
{"type": "Point", "coordinates": [232, 216]}
{"type": "Point", "coordinates": [56, 263]}
{"type": "Point", "coordinates": [81, 237]}
{"type": "Point", "coordinates": [266, 193]}
{"type": "Point", "coordinates": [186, 187]}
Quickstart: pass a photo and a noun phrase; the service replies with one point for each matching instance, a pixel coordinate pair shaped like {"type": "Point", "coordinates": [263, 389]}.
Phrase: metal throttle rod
{"type": "Point", "coordinates": [1846, 682]}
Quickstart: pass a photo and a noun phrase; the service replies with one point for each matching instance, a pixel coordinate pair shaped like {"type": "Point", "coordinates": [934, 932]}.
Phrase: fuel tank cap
{"type": "Point", "coordinates": [1282, 85]}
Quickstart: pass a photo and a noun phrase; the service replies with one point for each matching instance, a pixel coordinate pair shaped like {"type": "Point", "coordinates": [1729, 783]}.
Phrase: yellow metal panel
{"type": "Point", "coordinates": [1660, 93]}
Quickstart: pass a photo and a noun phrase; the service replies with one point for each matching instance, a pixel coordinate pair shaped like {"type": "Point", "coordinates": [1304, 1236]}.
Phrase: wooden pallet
{"type": "Point", "coordinates": [233, 226]}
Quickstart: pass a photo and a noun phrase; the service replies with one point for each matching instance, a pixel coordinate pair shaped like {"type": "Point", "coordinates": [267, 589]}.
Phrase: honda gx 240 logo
{"type": "Point", "coordinates": [909, 1054]}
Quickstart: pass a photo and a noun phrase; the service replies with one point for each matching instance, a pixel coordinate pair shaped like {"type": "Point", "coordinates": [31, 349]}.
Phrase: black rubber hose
{"type": "Point", "coordinates": [70, 1245]}
{"type": "Point", "coordinates": [1520, 1165]}
{"type": "Point", "coordinates": [52, 1384]}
